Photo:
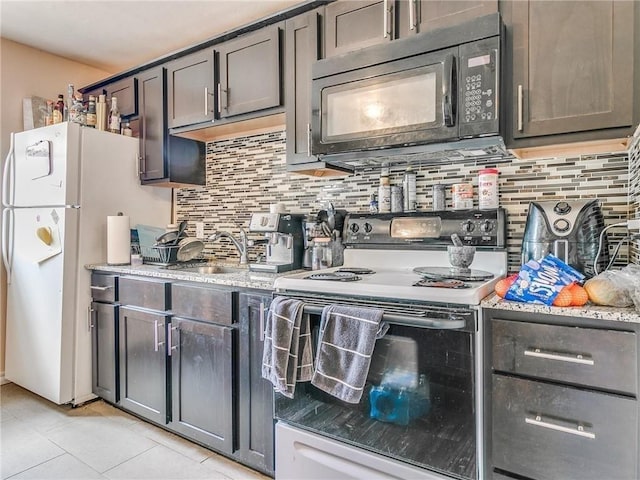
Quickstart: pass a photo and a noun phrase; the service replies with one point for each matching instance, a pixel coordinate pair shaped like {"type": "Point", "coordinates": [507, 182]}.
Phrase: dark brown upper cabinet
{"type": "Point", "coordinates": [302, 50]}
{"type": "Point", "coordinates": [250, 73]}
{"type": "Point", "coordinates": [126, 91]}
{"type": "Point", "coordinates": [419, 16]}
{"type": "Point", "coordinates": [570, 69]}
{"type": "Point", "coordinates": [165, 160]}
{"type": "Point", "coordinates": [354, 24]}
{"type": "Point", "coordinates": [190, 93]}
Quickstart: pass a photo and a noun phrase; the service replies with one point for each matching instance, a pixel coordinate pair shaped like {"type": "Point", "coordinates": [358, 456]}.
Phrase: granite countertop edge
{"type": "Point", "coordinates": [244, 279]}
{"type": "Point", "coordinates": [617, 314]}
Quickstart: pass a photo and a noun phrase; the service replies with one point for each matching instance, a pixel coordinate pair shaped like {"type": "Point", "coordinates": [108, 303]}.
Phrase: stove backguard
{"type": "Point", "coordinates": [480, 228]}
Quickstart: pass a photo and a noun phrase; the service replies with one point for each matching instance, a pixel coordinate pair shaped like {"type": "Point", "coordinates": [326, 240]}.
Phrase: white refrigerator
{"type": "Point", "coordinates": [59, 185]}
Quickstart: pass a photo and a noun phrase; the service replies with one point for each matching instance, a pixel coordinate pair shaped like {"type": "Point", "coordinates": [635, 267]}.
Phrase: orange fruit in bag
{"type": "Point", "coordinates": [564, 298]}
{"type": "Point", "coordinates": [503, 285]}
{"type": "Point", "coordinates": [579, 295]}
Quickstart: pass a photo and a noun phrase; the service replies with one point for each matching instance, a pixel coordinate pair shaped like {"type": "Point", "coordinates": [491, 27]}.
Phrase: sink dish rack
{"type": "Point", "coordinates": [152, 254]}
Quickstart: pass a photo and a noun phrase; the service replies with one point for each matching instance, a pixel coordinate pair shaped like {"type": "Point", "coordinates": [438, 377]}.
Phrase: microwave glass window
{"type": "Point", "coordinates": [395, 102]}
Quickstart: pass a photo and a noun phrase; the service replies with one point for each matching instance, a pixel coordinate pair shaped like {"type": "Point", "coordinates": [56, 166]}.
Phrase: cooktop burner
{"type": "Point", "coordinates": [441, 283]}
{"type": "Point", "coordinates": [356, 270]}
{"type": "Point", "coordinates": [335, 276]}
{"type": "Point", "coordinates": [444, 273]}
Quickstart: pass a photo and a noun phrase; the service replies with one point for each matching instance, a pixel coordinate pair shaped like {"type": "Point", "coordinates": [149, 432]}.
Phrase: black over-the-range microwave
{"type": "Point", "coordinates": [435, 87]}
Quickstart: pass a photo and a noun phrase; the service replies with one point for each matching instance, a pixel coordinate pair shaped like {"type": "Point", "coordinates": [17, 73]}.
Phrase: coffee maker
{"type": "Point", "coordinates": [284, 241]}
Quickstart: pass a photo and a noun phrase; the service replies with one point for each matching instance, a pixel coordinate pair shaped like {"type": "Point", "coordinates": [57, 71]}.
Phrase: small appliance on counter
{"type": "Point", "coordinates": [570, 230]}
{"type": "Point", "coordinates": [284, 241]}
{"type": "Point", "coordinates": [323, 239]}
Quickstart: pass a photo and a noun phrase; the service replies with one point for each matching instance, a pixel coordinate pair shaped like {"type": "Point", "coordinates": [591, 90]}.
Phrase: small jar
{"type": "Point", "coordinates": [384, 194]}
{"type": "Point", "coordinates": [462, 195]}
{"type": "Point", "coordinates": [488, 189]}
{"type": "Point", "coordinates": [396, 199]}
{"type": "Point", "coordinates": [439, 197]}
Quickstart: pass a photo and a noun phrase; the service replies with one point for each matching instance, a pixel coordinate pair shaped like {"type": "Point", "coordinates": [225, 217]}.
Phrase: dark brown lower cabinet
{"type": "Point", "coordinates": [143, 363]}
{"type": "Point", "coordinates": [104, 350]}
{"type": "Point", "coordinates": [202, 382]}
{"type": "Point", "coordinates": [561, 396]}
{"type": "Point", "coordinates": [255, 416]}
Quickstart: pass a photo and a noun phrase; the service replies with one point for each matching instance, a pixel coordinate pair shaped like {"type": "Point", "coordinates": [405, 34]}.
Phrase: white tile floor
{"type": "Point", "coordinates": [43, 441]}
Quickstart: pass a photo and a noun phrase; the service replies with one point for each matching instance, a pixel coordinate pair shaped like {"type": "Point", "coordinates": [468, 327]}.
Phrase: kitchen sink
{"type": "Point", "coordinates": [212, 269]}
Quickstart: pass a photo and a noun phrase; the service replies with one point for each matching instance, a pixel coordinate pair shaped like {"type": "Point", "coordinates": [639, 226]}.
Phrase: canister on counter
{"type": "Point", "coordinates": [439, 197]}
{"type": "Point", "coordinates": [488, 189]}
{"type": "Point", "coordinates": [396, 199]}
{"type": "Point", "coordinates": [462, 196]}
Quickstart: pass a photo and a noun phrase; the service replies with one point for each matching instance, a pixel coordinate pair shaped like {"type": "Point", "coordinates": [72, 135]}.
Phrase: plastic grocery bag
{"type": "Point", "coordinates": [541, 281]}
{"type": "Point", "coordinates": [616, 288]}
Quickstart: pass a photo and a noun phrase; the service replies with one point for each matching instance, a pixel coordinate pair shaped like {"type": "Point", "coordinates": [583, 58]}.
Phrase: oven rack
{"type": "Point", "coordinates": [407, 312]}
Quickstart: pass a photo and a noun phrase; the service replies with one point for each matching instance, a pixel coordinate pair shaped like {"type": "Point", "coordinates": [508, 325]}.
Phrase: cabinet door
{"type": "Point", "coordinates": [419, 16]}
{"type": "Point", "coordinates": [202, 382]}
{"type": "Point", "coordinates": [256, 394]}
{"type": "Point", "coordinates": [250, 73]}
{"type": "Point", "coordinates": [351, 25]}
{"type": "Point", "coordinates": [302, 49]}
{"type": "Point", "coordinates": [190, 85]}
{"type": "Point", "coordinates": [126, 91]}
{"type": "Point", "coordinates": [104, 350]}
{"type": "Point", "coordinates": [152, 110]}
{"type": "Point", "coordinates": [572, 69]}
{"type": "Point", "coordinates": [143, 363]}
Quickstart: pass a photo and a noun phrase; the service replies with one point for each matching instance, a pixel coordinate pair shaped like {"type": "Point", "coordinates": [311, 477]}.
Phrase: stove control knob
{"type": "Point", "coordinates": [354, 227]}
{"type": "Point", "coordinates": [468, 227]}
{"type": "Point", "coordinates": [562, 208]}
{"type": "Point", "coordinates": [368, 227]}
{"type": "Point", "coordinates": [561, 225]}
{"type": "Point", "coordinates": [486, 226]}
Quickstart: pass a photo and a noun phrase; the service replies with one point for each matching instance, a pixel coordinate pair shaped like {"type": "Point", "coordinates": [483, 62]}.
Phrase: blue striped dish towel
{"type": "Point", "coordinates": [346, 340]}
{"type": "Point", "coordinates": [287, 356]}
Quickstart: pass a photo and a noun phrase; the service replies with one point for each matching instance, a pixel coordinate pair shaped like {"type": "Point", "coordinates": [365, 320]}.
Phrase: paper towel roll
{"type": "Point", "coordinates": [118, 240]}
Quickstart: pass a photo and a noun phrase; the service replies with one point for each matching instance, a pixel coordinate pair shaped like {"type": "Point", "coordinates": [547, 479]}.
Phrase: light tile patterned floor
{"type": "Point", "coordinates": [43, 441]}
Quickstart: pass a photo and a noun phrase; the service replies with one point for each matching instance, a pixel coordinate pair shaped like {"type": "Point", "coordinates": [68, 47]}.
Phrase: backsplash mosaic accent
{"type": "Point", "coordinates": [634, 192]}
{"type": "Point", "coordinates": [246, 174]}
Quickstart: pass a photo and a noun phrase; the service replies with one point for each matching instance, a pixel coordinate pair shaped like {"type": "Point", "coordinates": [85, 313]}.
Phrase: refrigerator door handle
{"type": "Point", "coordinates": [7, 241]}
{"type": "Point", "coordinates": [7, 173]}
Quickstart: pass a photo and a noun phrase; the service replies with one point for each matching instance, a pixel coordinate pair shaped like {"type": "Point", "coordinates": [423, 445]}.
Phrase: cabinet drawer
{"type": "Point", "coordinates": [202, 303]}
{"type": "Point", "coordinates": [153, 294]}
{"type": "Point", "coordinates": [546, 431]}
{"type": "Point", "coordinates": [582, 356]}
{"type": "Point", "coordinates": [104, 287]}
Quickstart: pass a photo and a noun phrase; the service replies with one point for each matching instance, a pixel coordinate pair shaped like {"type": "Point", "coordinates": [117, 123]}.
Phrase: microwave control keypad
{"type": "Point", "coordinates": [479, 89]}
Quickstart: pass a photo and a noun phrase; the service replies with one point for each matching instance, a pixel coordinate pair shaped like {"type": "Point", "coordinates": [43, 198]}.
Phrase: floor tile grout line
{"type": "Point", "coordinates": [37, 465]}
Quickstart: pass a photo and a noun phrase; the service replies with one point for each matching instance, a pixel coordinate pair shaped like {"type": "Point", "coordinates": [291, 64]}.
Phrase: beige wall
{"type": "Point", "coordinates": [26, 72]}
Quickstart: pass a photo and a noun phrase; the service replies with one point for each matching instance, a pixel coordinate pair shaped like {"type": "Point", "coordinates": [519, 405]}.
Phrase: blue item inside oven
{"type": "Point", "coordinates": [399, 405]}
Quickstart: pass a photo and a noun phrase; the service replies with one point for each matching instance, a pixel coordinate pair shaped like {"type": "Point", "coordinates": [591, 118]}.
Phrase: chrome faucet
{"type": "Point", "coordinates": [241, 245]}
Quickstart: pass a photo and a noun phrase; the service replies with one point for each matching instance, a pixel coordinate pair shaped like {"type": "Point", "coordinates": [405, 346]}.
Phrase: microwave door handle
{"type": "Point", "coordinates": [449, 90]}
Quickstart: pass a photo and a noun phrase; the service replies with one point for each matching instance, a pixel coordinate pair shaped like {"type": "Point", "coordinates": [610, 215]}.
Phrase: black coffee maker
{"type": "Point", "coordinates": [569, 229]}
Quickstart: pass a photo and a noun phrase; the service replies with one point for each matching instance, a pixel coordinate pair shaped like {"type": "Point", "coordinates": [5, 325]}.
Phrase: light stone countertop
{"type": "Point", "coordinates": [615, 314]}
{"type": "Point", "coordinates": [242, 278]}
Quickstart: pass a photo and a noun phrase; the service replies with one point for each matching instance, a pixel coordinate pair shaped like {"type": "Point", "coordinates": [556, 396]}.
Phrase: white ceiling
{"type": "Point", "coordinates": [115, 35]}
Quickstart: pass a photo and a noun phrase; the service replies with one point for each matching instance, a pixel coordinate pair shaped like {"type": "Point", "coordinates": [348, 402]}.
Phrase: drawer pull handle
{"type": "Point", "coordinates": [102, 289]}
{"type": "Point", "coordinates": [581, 359]}
{"type": "Point", "coordinates": [262, 326]}
{"type": "Point", "coordinates": [578, 430]}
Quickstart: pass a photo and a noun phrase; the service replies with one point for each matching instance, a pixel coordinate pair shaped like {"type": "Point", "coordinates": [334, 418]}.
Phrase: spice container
{"type": "Point", "coordinates": [488, 188]}
{"type": "Point", "coordinates": [396, 199]}
{"type": "Point", "coordinates": [384, 194]}
{"type": "Point", "coordinates": [409, 190]}
{"type": "Point", "coordinates": [439, 197]}
{"type": "Point", "coordinates": [462, 196]}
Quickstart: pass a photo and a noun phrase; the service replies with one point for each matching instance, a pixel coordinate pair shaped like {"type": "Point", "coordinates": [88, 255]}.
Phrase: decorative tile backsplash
{"type": "Point", "coordinates": [245, 175]}
{"type": "Point", "coordinates": [634, 193]}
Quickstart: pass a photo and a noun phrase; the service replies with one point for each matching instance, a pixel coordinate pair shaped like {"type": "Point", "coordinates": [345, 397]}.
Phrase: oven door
{"type": "Point", "coordinates": [418, 407]}
{"type": "Point", "coordinates": [397, 103]}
